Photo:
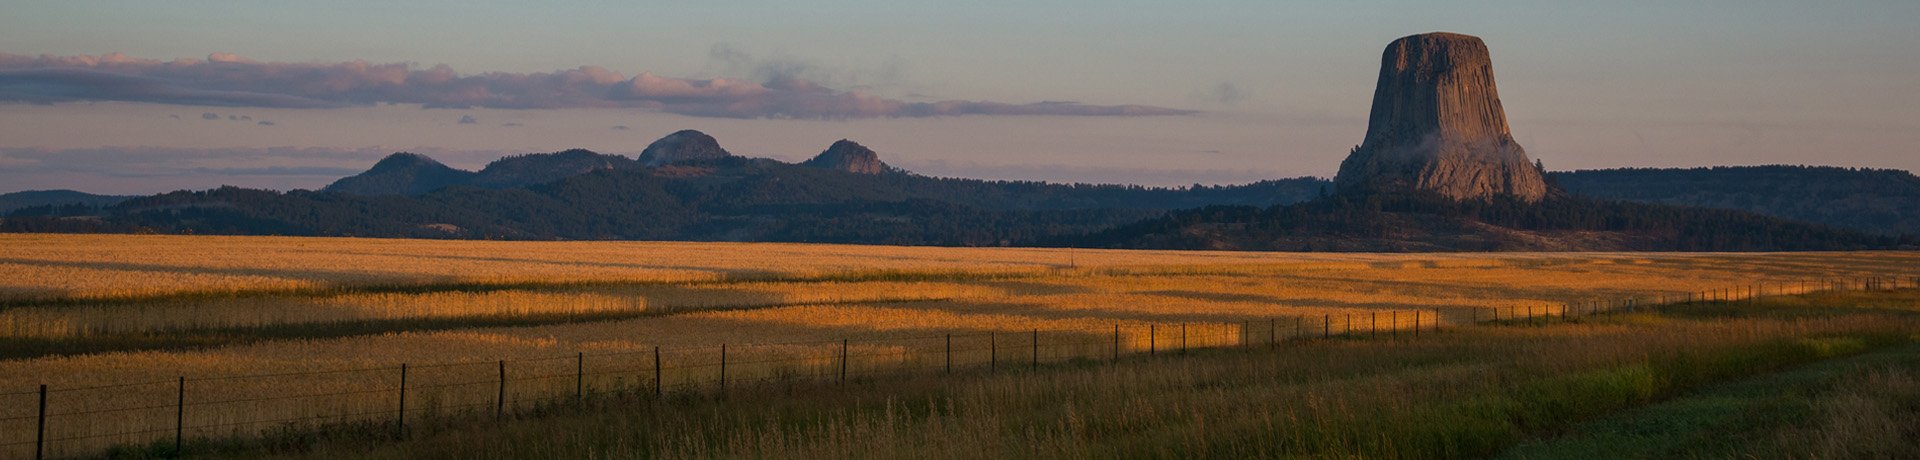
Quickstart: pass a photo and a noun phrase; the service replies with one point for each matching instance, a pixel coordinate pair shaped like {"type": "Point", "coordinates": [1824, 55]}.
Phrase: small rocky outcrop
{"type": "Point", "coordinates": [684, 145]}
{"type": "Point", "coordinates": [401, 173]}
{"type": "Point", "coordinates": [850, 156]}
{"type": "Point", "coordinates": [1437, 126]}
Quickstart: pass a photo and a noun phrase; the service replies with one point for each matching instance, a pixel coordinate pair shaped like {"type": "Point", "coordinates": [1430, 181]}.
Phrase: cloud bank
{"type": "Point", "coordinates": [225, 80]}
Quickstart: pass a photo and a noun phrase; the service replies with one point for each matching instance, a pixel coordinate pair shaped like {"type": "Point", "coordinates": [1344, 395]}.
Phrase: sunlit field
{"type": "Point", "coordinates": [276, 332]}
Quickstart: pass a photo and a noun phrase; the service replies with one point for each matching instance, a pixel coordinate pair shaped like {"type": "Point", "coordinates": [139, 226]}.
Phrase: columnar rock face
{"type": "Point", "coordinates": [1437, 126]}
{"type": "Point", "coordinates": [683, 145]}
{"type": "Point", "coordinates": [849, 156]}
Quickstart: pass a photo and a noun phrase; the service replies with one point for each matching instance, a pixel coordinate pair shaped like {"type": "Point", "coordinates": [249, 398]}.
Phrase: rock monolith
{"type": "Point", "coordinates": [1437, 126]}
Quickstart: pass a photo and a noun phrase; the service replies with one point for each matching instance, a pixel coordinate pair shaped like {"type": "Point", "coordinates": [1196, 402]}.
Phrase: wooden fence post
{"type": "Point", "coordinates": [500, 401]}
{"type": "Point", "coordinates": [580, 377]}
{"type": "Point", "coordinates": [1246, 333]}
{"type": "Point", "coordinates": [1273, 332]}
{"type": "Point", "coordinates": [1153, 339]}
{"type": "Point", "coordinates": [400, 421]}
{"type": "Point", "coordinates": [993, 352]}
{"type": "Point", "coordinates": [40, 430]}
{"type": "Point", "coordinates": [1326, 327]}
{"type": "Point", "coordinates": [1183, 338]}
{"type": "Point", "coordinates": [1036, 349]}
{"type": "Point", "coordinates": [843, 361]}
{"type": "Point", "coordinates": [180, 417]}
{"type": "Point", "coordinates": [658, 391]}
{"type": "Point", "coordinates": [950, 352]}
{"type": "Point", "coordinates": [1116, 343]}
{"type": "Point", "coordinates": [1416, 323]}
{"type": "Point", "coordinates": [723, 368]}
{"type": "Point", "coordinates": [1373, 324]}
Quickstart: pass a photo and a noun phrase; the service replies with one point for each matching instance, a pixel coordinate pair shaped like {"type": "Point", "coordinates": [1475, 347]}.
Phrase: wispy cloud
{"type": "Point", "coordinates": [234, 81]}
{"type": "Point", "coordinates": [1222, 93]}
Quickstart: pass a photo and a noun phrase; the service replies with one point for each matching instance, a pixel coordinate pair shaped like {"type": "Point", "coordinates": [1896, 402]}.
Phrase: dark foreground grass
{"type": "Point", "coordinates": [1473, 392]}
{"type": "Point", "coordinates": [1864, 406]}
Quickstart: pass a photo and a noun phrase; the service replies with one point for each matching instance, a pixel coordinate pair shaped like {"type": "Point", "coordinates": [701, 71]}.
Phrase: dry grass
{"type": "Point", "coordinates": [58, 267]}
{"type": "Point", "coordinates": [93, 319]}
{"type": "Point", "coordinates": [802, 298]}
{"type": "Point", "coordinates": [1874, 415]}
{"type": "Point", "coordinates": [1460, 395]}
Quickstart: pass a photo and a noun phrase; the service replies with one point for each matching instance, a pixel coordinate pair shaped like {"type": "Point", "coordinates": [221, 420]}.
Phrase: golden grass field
{"type": "Point", "coordinates": [451, 310]}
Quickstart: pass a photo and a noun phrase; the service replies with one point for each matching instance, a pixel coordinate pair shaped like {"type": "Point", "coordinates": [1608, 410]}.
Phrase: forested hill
{"type": "Point", "coordinates": [726, 199]}
{"type": "Point", "coordinates": [67, 199]}
{"type": "Point", "coordinates": [1423, 223]}
{"type": "Point", "coordinates": [1883, 201]}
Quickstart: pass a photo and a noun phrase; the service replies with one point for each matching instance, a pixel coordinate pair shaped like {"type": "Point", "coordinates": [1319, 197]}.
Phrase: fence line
{"type": "Point", "coordinates": [512, 386]}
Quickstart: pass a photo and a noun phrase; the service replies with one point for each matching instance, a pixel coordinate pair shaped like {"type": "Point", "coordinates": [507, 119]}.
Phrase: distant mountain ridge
{"type": "Point", "coordinates": [1431, 223]}
{"type": "Point", "coordinates": [413, 174]}
{"type": "Point", "coordinates": [10, 202]}
{"type": "Point", "coordinates": [540, 168]}
{"type": "Point", "coordinates": [1883, 201]}
{"type": "Point", "coordinates": [846, 194]}
{"type": "Point", "coordinates": [695, 191]}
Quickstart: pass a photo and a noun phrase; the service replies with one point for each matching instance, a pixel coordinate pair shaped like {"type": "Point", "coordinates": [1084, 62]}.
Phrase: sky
{"type": "Point", "coordinates": [147, 97]}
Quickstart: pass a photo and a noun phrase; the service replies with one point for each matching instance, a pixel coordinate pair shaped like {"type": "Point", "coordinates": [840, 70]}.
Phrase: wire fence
{"type": "Point", "coordinates": [80, 421]}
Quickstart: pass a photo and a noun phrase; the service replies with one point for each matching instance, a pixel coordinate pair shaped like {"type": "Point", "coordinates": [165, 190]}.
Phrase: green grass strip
{"type": "Point", "coordinates": [1720, 421]}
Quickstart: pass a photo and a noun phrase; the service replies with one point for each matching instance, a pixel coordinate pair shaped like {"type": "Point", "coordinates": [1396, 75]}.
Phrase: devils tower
{"type": "Point", "coordinates": [1437, 126]}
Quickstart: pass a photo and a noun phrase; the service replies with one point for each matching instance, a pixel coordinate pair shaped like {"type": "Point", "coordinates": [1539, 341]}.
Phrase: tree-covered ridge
{"type": "Point", "coordinates": [729, 199]}
{"type": "Point", "coordinates": [10, 202]}
{"type": "Point", "coordinates": [1885, 201]}
{"type": "Point", "coordinates": [1410, 222]}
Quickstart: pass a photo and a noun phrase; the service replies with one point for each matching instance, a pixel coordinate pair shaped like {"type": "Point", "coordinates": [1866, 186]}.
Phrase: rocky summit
{"type": "Point", "coordinates": [1437, 126]}
{"type": "Point", "coordinates": [850, 156]}
{"type": "Point", "coordinates": [683, 145]}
